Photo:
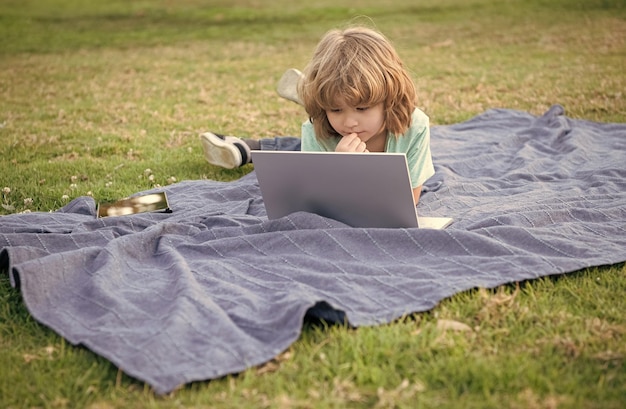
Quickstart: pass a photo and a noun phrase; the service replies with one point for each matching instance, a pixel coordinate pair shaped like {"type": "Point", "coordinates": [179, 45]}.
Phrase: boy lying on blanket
{"type": "Point", "coordinates": [359, 98]}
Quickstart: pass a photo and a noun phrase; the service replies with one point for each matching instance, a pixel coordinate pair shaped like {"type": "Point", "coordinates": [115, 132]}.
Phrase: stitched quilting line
{"type": "Point", "coordinates": [497, 220]}
{"type": "Point", "coordinates": [43, 245]}
{"type": "Point", "coordinates": [304, 251]}
{"type": "Point", "coordinates": [543, 258]}
{"type": "Point", "coordinates": [550, 246]}
{"type": "Point", "coordinates": [528, 219]}
{"type": "Point", "coordinates": [369, 236]}
{"type": "Point", "coordinates": [347, 252]}
{"type": "Point", "coordinates": [451, 260]}
{"type": "Point", "coordinates": [244, 277]}
{"type": "Point", "coordinates": [244, 187]}
{"type": "Point", "coordinates": [379, 280]}
{"type": "Point", "coordinates": [151, 317]}
{"type": "Point", "coordinates": [507, 247]}
{"type": "Point", "coordinates": [207, 337]}
{"type": "Point", "coordinates": [375, 242]}
{"type": "Point", "coordinates": [82, 297]}
{"type": "Point", "coordinates": [378, 266]}
{"type": "Point", "coordinates": [6, 239]}
{"type": "Point", "coordinates": [236, 272]}
{"type": "Point", "coordinates": [584, 224]}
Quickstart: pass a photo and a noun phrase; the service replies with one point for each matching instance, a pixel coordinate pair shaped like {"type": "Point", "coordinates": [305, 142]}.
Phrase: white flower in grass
{"type": "Point", "coordinates": [6, 190]}
{"type": "Point", "coordinates": [65, 198]}
{"type": "Point", "coordinates": [73, 186]}
{"type": "Point", "coordinates": [28, 201]}
{"type": "Point", "coordinates": [171, 180]}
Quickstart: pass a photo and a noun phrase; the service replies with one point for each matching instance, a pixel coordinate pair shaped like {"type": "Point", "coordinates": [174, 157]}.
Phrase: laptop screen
{"type": "Point", "coordinates": [359, 189]}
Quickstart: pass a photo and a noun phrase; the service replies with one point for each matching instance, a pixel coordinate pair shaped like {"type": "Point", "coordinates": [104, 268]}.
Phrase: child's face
{"type": "Point", "coordinates": [366, 121]}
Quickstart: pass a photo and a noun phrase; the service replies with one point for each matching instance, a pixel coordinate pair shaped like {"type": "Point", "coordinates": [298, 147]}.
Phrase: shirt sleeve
{"type": "Point", "coordinates": [420, 160]}
{"type": "Point", "coordinates": [415, 143]}
{"type": "Point", "coordinates": [311, 144]}
{"type": "Point", "coordinates": [309, 141]}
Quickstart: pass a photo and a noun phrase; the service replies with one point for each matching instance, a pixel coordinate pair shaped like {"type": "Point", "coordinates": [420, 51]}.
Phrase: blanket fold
{"type": "Point", "coordinates": [215, 287]}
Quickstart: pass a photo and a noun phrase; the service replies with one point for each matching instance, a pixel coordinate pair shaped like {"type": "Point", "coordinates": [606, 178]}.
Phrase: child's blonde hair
{"type": "Point", "coordinates": [359, 66]}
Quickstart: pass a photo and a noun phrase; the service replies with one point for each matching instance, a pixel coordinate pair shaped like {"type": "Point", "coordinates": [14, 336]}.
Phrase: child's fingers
{"type": "Point", "coordinates": [351, 143]}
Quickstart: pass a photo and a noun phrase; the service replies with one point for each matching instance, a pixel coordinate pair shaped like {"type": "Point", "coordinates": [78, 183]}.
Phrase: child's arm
{"type": "Point", "coordinates": [416, 194]}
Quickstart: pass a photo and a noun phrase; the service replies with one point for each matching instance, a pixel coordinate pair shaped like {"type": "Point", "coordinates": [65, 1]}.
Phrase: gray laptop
{"type": "Point", "coordinates": [359, 189]}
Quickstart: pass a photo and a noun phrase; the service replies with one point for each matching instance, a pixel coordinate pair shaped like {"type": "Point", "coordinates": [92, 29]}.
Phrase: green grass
{"type": "Point", "coordinates": [93, 94]}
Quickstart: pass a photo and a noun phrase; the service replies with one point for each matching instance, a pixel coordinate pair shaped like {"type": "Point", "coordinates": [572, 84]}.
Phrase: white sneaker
{"type": "Point", "coordinates": [288, 85]}
{"type": "Point", "coordinates": [224, 151]}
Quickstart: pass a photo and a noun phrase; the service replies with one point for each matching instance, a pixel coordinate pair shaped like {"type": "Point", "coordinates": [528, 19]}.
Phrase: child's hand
{"type": "Point", "coordinates": [351, 143]}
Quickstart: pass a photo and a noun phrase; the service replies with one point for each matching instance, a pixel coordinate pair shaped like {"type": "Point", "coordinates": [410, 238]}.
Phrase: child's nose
{"type": "Point", "coordinates": [350, 121]}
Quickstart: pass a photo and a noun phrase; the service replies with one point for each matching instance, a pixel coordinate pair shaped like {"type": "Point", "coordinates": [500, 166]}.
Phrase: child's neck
{"type": "Point", "coordinates": [377, 143]}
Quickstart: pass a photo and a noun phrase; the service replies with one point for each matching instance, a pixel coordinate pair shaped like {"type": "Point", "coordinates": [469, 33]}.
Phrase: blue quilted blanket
{"type": "Point", "coordinates": [215, 287]}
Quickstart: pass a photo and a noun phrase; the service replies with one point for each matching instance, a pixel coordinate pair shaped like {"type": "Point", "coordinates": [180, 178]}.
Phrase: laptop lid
{"type": "Point", "coordinates": [359, 189]}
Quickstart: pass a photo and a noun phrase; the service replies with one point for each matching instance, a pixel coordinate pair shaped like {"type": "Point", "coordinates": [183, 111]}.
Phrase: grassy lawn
{"type": "Point", "coordinates": [107, 98]}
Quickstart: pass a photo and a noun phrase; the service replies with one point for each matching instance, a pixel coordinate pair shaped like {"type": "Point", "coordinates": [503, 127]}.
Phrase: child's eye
{"type": "Point", "coordinates": [362, 108]}
{"type": "Point", "coordinates": [335, 110]}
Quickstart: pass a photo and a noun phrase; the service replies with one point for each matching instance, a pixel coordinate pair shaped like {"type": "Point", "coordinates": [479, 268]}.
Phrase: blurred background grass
{"type": "Point", "coordinates": [58, 25]}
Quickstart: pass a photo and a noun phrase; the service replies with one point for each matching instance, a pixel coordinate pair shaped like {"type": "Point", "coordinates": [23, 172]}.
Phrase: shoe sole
{"type": "Point", "coordinates": [288, 85]}
{"type": "Point", "coordinates": [220, 153]}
